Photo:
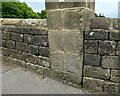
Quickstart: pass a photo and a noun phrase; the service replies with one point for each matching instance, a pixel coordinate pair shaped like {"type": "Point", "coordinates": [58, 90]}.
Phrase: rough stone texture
{"type": "Point", "coordinates": [17, 37]}
{"type": "Point", "coordinates": [96, 72]}
{"type": "Point", "coordinates": [59, 19]}
{"type": "Point", "coordinates": [118, 48]}
{"type": "Point", "coordinates": [21, 30]}
{"type": "Point", "coordinates": [28, 38]}
{"type": "Point", "coordinates": [33, 49]}
{"type": "Point", "coordinates": [116, 24]}
{"type": "Point", "coordinates": [55, 23]}
{"type": "Point", "coordinates": [107, 47]}
{"type": "Point", "coordinates": [97, 34]}
{"type": "Point", "coordinates": [39, 70]}
{"type": "Point", "coordinates": [90, 46]}
{"type": "Point", "coordinates": [115, 76]}
{"type": "Point", "coordinates": [92, 84]}
{"type": "Point", "coordinates": [44, 61]}
{"type": "Point", "coordinates": [10, 44]}
{"type": "Point", "coordinates": [11, 21]}
{"type": "Point", "coordinates": [44, 51]}
{"type": "Point", "coordinates": [57, 61]}
{"type": "Point", "coordinates": [40, 41]}
{"type": "Point", "coordinates": [22, 47]}
{"type": "Point", "coordinates": [56, 40]}
{"type": "Point", "coordinates": [21, 63]}
{"type": "Point", "coordinates": [111, 87]}
{"type": "Point", "coordinates": [92, 60]}
{"type": "Point", "coordinates": [73, 63]}
{"type": "Point", "coordinates": [115, 35]}
{"type": "Point", "coordinates": [34, 23]}
{"type": "Point", "coordinates": [100, 23]}
{"type": "Point", "coordinates": [30, 66]}
{"type": "Point", "coordinates": [39, 32]}
{"type": "Point", "coordinates": [67, 41]}
{"type": "Point", "coordinates": [6, 35]}
{"type": "Point", "coordinates": [29, 58]}
{"type": "Point", "coordinates": [111, 62]}
{"type": "Point", "coordinates": [3, 43]}
{"type": "Point", "coordinates": [73, 42]}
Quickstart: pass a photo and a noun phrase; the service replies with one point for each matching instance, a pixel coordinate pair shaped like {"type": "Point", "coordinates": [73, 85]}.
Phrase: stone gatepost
{"type": "Point", "coordinates": [66, 23]}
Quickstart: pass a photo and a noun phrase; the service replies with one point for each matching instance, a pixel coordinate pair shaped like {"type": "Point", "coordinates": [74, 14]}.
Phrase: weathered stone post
{"type": "Point", "coordinates": [66, 23]}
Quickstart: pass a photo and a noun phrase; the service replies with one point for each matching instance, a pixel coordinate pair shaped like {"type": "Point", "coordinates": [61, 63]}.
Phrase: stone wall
{"type": "Point", "coordinates": [88, 59]}
{"type": "Point", "coordinates": [102, 56]}
{"type": "Point", "coordinates": [25, 43]}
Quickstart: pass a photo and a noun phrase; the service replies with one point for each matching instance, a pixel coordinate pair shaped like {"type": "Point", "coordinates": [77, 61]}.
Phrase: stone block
{"type": "Point", "coordinates": [6, 52]}
{"type": "Point", "coordinates": [111, 62]}
{"type": "Point", "coordinates": [29, 58]}
{"type": "Point", "coordinates": [118, 48]}
{"type": "Point", "coordinates": [3, 43]}
{"type": "Point", "coordinates": [39, 31]}
{"type": "Point", "coordinates": [43, 61]}
{"type": "Point", "coordinates": [21, 30]}
{"type": "Point", "coordinates": [55, 18]}
{"type": "Point", "coordinates": [11, 21]}
{"type": "Point", "coordinates": [39, 70]}
{"type": "Point", "coordinates": [110, 87]}
{"type": "Point", "coordinates": [115, 76]}
{"type": "Point", "coordinates": [6, 35]}
{"type": "Point", "coordinates": [96, 72]}
{"type": "Point", "coordinates": [7, 29]}
{"type": "Point", "coordinates": [56, 40]}
{"type": "Point", "coordinates": [10, 44]}
{"type": "Point", "coordinates": [116, 24]}
{"type": "Point", "coordinates": [57, 61]}
{"type": "Point", "coordinates": [90, 46]}
{"type": "Point", "coordinates": [21, 63]}
{"type": "Point", "coordinates": [57, 75]}
{"type": "Point", "coordinates": [67, 41]}
{"type": "Point", "coordinates": [92, 84]}
{"type": "Point", "coordinates": [6, 60]}
{"type": "Point", "coordinates": [17, 37]}
{"type": "Point", "coordinates": [44, 51]}
{"type": "Point", "coordinates": [40, 60]}
{"type": "Point", "coordinates": [96, 35]}
{"type": "Point", "coordinates": [46, 62]}
{"type": "Point", "coordinates": [72, 79]}
{"type": "Point", "coordinates": [16, 54]}
{"type": "Point", "coordinates": [72, 19]}
{"type": "Point", "coordinates": [30, 66]}
{"type": "Point", "coordinates": [73, 63]}
{"type": "Point", "coordinates": [28, 38]}
{"type": "Point", "coordinates": [100, 23]}
{"type": "Point", "coordinates": [73, 42]}
{"type": "Point", "coordinates": [107, 48]}
{"type": "Point", "coordinates": [22, 47]}
{"type": "Point", "coordinates": [33, 49]}
{"type": "Point", "coordinates": [115, 35]}
{"type": "Point", "coordinates": [92, 60]}
{"type": "Point", "coordinates": [40, 41]}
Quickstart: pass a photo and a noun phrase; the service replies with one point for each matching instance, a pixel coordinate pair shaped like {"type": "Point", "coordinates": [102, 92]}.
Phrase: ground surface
{"type": "Point", "coordinates": [16, 80]}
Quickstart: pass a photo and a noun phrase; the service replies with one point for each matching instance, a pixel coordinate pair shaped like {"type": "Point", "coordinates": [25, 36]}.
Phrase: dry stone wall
{"type": "Point", "coordinates": [101, 56]}
{"type": "Point", "coordinates": [25, 43]}
{"type": "Point", "coordinates": [89, 59]}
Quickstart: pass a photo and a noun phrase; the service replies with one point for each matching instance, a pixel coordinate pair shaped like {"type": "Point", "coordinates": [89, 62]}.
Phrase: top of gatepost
{"type": "Point", "coordinates": [60, 4]}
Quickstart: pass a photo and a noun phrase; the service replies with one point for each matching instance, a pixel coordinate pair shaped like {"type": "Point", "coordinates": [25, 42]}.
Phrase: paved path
{"type": "Point", "coordinates": [18, 81]}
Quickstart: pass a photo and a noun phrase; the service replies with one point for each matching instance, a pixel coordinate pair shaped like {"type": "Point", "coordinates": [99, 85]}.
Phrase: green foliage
{"type": "Point", "coordinates": [17, 10]}
{"type": "Point", "coordinates": [43, 14]}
